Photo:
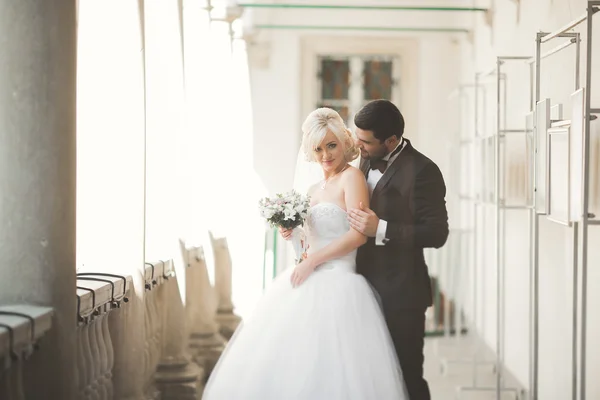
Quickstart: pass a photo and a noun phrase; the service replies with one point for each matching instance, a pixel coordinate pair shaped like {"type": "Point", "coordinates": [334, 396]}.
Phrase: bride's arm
{"type": "Point", "coordinates": [355, 192]}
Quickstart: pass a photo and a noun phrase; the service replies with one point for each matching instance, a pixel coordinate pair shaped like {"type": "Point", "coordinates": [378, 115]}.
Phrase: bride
{"type": "Point", "coordinates": [318, 332]}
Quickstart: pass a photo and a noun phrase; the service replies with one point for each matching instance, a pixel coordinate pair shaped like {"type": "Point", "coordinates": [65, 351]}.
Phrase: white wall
{"type": "Point", "coordinates": [276, 112]}
{"type": "Point", "coordinates": [509, 37]}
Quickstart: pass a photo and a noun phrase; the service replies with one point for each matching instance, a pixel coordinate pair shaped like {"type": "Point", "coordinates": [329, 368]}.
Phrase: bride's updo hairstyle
{"type": "Point", "coordinates": [316, 126]}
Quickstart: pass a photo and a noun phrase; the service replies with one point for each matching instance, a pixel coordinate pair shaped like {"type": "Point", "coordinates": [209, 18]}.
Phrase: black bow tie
{"type": "Point", "coordinates": [381, 164]}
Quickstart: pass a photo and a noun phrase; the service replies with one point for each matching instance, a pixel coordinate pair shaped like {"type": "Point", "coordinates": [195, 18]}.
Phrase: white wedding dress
{"type": "Point", "coordinates": [324, 340]}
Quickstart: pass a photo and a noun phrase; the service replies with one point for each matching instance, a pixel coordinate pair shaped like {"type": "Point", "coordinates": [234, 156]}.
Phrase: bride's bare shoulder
{"type": "Point", "coordinates": [353, 175]}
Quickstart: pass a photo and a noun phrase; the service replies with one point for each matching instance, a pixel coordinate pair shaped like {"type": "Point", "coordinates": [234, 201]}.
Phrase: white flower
{"type": "Point", "coordinates": [290, 206]}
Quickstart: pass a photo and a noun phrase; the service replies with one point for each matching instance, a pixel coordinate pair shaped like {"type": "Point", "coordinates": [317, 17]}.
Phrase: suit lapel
{"type": "Point", "coordinates": [396, 166]}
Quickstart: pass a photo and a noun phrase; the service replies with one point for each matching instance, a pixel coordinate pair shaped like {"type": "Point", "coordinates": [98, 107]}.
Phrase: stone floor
{"type": "Point", "coordinates": [444, 385]}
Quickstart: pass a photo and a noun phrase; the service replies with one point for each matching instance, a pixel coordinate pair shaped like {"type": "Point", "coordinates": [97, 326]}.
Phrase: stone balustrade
{"type": "Point", "coordinates": [98, 295]}
{"type": "Point", "coordinates": [21, 328]}
{"type": "Point", "coordinates": [150, 335]}
{"type": "Point", "coordinates": [156, 274]}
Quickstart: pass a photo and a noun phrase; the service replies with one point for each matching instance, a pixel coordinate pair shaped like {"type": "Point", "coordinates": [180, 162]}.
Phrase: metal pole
{"type": "Point", "coordinates": [559, 47]}
{"type": "Point", "coordinates": [532, 241]}
{"type": "Point", "coordinates": [531, 89]}
{"type": "Point", "coordinates": [459, 258]}
{"type": "Point", "coordinates": [502, 214]}
{"type": "Point", "coordinates": [566, 27]}
{"type": "Point", "coordinates": [586, 183]}
{"type": "Point", "coordinates": [497, 233]}
{"type": "Point", "coordinates": [458, 246]}
{"type": "Point", "coordinates": [532, 216]}
{"type": "Point", "coordinates": [504, 130]}
{"type": "Point", "coordinates": [462, 260]}
{"type": "Point", "coordinates": [536, 242]}
{"type": "Point", "coordinates": [575, 301]}
{"type": "Point", "coordinates": [575, 250]}
{"type": "Point", "coordinates": [447, 256]}
{"type": "Point", "coordinates": [475, 252]}
{"type": "Point", "coordinates": [484, 229]}
{"type": "Point", "coordinates": [577, 40]}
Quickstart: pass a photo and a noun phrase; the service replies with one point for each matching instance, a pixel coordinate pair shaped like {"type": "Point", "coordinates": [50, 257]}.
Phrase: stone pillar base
{"type": "Point", "coordinates": [228, 322]}
{"type": "Point", "coordinates": [206, 349]}
{"type": "Point", "coordinates": [183, 391]}
{"type": "Point", "coordinates": [151, 393]}
{"type": "Point", "coordinates": [179, 379]}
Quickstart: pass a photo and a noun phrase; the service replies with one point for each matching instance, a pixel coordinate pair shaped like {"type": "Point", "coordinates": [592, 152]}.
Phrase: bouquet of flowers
{"type": "Point", "coordinates": [288, 211]}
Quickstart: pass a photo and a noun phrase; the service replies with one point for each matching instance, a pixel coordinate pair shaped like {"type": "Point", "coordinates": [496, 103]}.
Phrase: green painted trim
{"type": "Point", "coordinates": [274, 253]}
{"type": "Point", "coordinates": [436, 301]}
{"type": "Point", "coordinates": [361, 28]}
{"type": "Point", "coordinates": [264, 271]}
{"type": "Point", "coordinates": [440, 332]}
{"type": "Point", "coordinates": [359, 7]}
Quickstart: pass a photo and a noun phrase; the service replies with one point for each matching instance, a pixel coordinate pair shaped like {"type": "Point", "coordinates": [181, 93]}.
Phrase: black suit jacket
{"type": "Point", "coordinates": [410, 196]}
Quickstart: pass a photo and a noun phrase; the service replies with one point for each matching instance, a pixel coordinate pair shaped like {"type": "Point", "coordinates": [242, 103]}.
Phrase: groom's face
{"type": "Point", "coordinates": [370, 147]}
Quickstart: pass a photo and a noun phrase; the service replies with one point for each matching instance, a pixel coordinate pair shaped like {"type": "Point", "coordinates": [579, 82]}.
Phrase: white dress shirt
{"type": "Point", "coordinates": [373, 177]}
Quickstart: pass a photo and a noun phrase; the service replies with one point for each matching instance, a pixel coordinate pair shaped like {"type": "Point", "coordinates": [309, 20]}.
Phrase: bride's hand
{"type": "Point", "coordinates": [301, 272]}
{"type": "Point", "coordinates": [286, 234]}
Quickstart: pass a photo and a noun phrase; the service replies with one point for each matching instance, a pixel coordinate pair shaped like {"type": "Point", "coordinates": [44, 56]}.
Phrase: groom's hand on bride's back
{"type": "Point", "coordinates": [286, 234]}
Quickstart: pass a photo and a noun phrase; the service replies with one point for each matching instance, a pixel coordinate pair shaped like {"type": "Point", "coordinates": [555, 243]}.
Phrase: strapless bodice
{"type": "Point", "coordinates": [325, 223]}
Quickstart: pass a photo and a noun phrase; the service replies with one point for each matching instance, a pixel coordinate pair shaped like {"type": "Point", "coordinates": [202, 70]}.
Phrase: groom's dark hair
{"type": "Point", "coordinates": [382, 118]}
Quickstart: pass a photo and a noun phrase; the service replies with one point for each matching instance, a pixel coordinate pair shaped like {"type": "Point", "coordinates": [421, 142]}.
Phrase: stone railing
{"type": "Point", "coordinates": [156, 275]}
{"type": "Point", "coordinates": [151, 335]}
{"type": "Point", "coordinates": [160, 367]}
{"type": "Point", "coordinates": [97, 296]}
{"type": "Point", "coordinates": [21, 327]}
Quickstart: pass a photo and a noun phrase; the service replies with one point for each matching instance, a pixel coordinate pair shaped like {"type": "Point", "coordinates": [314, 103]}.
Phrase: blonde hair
{"type": "Point", "coordinates": [316, 126]}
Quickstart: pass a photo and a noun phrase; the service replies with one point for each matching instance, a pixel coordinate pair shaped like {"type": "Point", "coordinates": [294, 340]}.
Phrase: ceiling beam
{"type": "Point", "coordinates": [360, 7]}
{"type": "Point", "coordinates": [362, 28]}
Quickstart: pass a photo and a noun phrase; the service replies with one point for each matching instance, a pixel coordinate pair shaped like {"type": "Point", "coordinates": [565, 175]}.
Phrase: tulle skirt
{"type": "Point", "coordinates": [324, 340]}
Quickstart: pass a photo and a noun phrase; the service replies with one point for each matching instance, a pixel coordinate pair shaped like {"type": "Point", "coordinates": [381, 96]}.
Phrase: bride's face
{"type": "Point", "coordinates": [330, 153]}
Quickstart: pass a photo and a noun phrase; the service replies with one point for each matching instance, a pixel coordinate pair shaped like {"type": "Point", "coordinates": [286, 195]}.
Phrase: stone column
{"type": "Point", "coordinates": [37, 179]}
{"type": "Point", "coordinates": [177, 377]}
{"type": "Point", "coordinates": [206, 343]}
{"type": "Point", "coordinates": [227, 320]}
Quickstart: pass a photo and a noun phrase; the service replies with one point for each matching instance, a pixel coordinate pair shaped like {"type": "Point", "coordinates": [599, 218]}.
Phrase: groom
{"type": "Point", "coordinates": [407, 214]}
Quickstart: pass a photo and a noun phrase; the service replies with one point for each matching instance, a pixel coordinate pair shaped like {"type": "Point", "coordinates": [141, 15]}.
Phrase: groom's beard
{"type": "Point", "coordinates": [374, 157]}
{"type": "Point", "coordinates": [371, 157]}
